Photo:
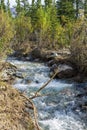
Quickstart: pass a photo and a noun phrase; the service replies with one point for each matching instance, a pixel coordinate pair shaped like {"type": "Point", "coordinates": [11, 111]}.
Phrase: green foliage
{"type": "Point", "coordinates": [8, 8]}
{"type": "Point", "coordinates": [85, 8]}
{"type": "Point", "coordinates": [50, 25]}
{"type": "Point", "coordinates": [6, 31]}
{"type": "Point", "coordinates": [2, 5]}
{"type": "Point", "coordinates": [79, 46]}
{"type": "Point", "coordinates": [24, 5]}
{"type": "Point", "coordinates": [48, 3]}
{"type": "Point", "coordinates": [47, 25]}
{"type": "Point", "coordinates": [18, 7]}
{"type": "Point", "coordinates": [23, 28]}
{"type": "Point", "coordinates": [41, 24]}
{"type": "Point", "coordinates": [65, 10]}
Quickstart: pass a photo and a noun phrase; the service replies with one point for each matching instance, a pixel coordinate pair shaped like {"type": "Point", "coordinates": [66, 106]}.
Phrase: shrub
{"type": "Point", "coordinates": [79, 46]}
{"type": "Point", "coordinates": [6, 31]}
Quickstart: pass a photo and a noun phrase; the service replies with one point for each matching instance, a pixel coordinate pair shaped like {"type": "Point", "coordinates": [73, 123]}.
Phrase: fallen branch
{"type": "Point", "coordinates": [36, 93]}
{"type": "Point", "coordinates": [35, 111]}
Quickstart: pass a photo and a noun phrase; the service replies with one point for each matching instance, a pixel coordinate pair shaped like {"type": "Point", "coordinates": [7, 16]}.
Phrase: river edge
{"type": "Point", "coordinates": [57, 60]}
{"type": "Point", "coordinates": [77, 99]}
{"type": "Point", "coordinates": [53, 59]}
{"type": "Point", "coordinates": [14, 108]}
{"type": "Point", "coordinates": [79, 96]}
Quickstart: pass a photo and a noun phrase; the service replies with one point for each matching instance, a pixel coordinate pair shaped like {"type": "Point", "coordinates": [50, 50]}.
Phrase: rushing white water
{"type": "Point", "coordinates": [52, 110]}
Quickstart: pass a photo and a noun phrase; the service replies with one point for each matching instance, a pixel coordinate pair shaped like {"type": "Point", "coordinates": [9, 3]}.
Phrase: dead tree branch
{"type": "Point", "coordinates": [36, 93]}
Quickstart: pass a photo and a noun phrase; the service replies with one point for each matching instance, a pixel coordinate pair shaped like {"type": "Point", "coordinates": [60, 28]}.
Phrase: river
{"type": "Point", "coordinates": [54, 111]}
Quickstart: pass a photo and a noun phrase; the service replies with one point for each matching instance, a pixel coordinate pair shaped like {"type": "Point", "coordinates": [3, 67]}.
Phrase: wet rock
{"type": "Point", "coordinates": [37, 81]}
{"type": "Point", "coordinates": [18, 75]}
{"type": "Point", "coordinates": [54, 67]}
{"type": "Point", "coordinates": [52, 55]}
{"type": "Point", "coordinates": [66, 74]}
{"type": "Point", "coordinates": [36, 53]}
{"type": "Point", "coordinates": [80, 78]}
{"type": "Point", "coordinates": [27, 81]}
{"type": "Point", "coordinates": [50, 63]}
{"type": "Point", "coordinates": [65, 71]}
{"type": "Point", "coordinates": [7, 72]}
{"type": "Point", "coordinates": [63, 67]}
{"type": "Point", "coordinates": [80, 95]}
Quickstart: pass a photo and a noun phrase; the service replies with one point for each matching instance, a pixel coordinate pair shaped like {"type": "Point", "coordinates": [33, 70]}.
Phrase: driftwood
{"type": "Point", "coordinates": [35, 111]}
{"type": "Point", "coordinates": [32, 106]}
{"type": "Point", "coordinates": [36, 93]}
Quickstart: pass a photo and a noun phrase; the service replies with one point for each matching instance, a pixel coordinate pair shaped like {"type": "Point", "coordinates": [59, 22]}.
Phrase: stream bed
{"type": "Point", "coordinates": [58, 109]}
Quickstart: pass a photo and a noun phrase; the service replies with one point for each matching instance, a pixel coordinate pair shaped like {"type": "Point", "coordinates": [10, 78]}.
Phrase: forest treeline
{"type": "Point", "coordinates": [49, 24]}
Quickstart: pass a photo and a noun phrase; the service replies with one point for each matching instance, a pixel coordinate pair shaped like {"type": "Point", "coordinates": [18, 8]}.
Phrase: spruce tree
{"type": "Point", "coordinates": [48, 3]}
{"type": "Point", "coordinates": [85, 8]}
{"type": "Point", "coordinates": [65, 9]}
{"type": "Point", "coordinates": [24, 5]}
{"type": "Point", "coordinates": [8, 8]}
{"type": "Point", "coordinates": [79, 5]}
{"type": "Point", "coordinates": [18, 7]}
{"type": "Point", "coordinates": [2, 5]}
{"type": "Point", "coordinates": [33, 1]}
{"type": "Point", "coordinates": [77, 8]}
{"type": "Point", "coordinates": [38, 3]}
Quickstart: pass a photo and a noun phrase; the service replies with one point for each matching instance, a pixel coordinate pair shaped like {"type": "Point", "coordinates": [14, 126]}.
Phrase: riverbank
{"type": "Point", "coordinates": [58, 60]}
{"type": "Point", "coordinates": [71, 100]}
{"type": "Point", "coordinates": [14, 111]}
{"type": "Point", "coordinates": [65, 104]}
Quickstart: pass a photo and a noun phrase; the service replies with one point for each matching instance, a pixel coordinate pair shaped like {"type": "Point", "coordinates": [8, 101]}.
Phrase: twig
{"type": "Point", "coordinates": [44, 95]}
{"type": "Point", "coordinates": [36, 93]}
{"type": "Point", "coordinates": [35, 111]}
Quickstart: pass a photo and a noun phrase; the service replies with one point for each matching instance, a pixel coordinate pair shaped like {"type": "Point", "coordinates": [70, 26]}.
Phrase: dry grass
{"type": "Point", "coordinates": [13, 114]}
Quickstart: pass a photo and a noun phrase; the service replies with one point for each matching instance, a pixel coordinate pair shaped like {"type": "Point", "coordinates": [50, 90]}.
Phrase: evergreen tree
{"type": "Point", "coordinates": [33, 1]}
{"type": "Point", "coordinates": [8, 8]}
{"type": "Point", "coordinates": [24, 5]}
{"type": "Point", "coordinates": [18, 7]}
{"type": "Point", "coordinates": [77, 8]}
{"type": "Point", "coordinates": [38, 3]}
{"type": "Point", "coordinates": [85, 8]}
{"type": "Point", "coordinates": [48, 3]}
{"type": "Point", "coordinates": [79, 5]}
{"type": "Point", "coordinates": [65, 9]}
{"type": "Point", "coordinates": [6, 31]}
{"type": "Point", "coordinates": [2, 5]}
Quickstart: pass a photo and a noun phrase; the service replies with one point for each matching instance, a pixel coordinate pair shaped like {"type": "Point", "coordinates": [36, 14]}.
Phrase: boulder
{"type": "Point", "coordinates": [66, 74]}
{"type": "Point", "coordinates": [7, 72]}
{"type": "Point", "coordinates": [36, 53]}
{"type": "Point", "coordinates": [65, 71]}
{"type": "Point", "coordinates": [18, 75]}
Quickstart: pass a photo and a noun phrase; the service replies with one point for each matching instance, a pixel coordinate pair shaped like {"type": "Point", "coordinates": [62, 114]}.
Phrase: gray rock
{"type": "Point", "coordinates": [65, 71]}
{"type": "Point", "coordinates": [18, 75]}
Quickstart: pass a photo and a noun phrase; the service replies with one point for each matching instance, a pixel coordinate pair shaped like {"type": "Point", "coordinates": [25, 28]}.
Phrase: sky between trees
{"type": "Point", "coordinates": [12, 2]}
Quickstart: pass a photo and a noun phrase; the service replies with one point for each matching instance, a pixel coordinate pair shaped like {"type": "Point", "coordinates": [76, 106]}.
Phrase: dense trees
{"type": "Point", "coordinates": [49, 25]}
{"type": "Point", "coordinates": [65, 9]}
{"type": "Point", "coordinates": [6, 31]}
{"type": "Point", "coordinates": [2, 5]}
{"type": "Point", "coordinates": [85, 8]}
